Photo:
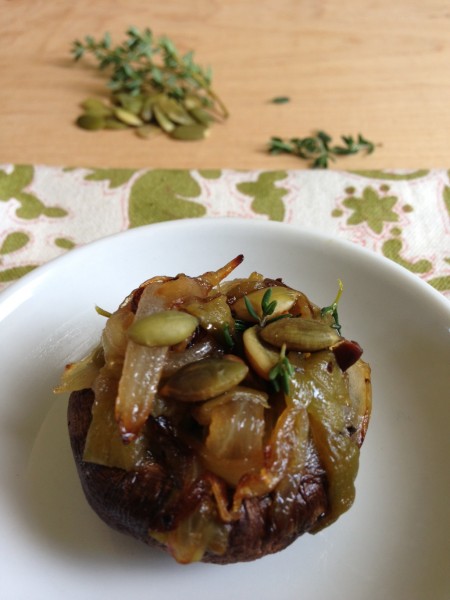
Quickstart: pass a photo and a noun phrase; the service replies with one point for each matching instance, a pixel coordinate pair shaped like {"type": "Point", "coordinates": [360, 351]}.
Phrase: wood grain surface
{"type": "Point", "coordinates": [377, 67]}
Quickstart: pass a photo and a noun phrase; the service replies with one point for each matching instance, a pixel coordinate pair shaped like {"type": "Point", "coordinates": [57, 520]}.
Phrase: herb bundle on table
{"type": "Point", "coordinates": [153, 87]}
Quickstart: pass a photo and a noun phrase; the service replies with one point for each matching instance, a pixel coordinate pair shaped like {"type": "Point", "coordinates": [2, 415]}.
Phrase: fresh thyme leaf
{"type": "Point", "coordinates": [280, 100]}
{"type": "Point", "coordinates": [153, 72]}
{"type": "Point", "coordinates": [240, 325]}
{"type": "Point", "coordinates": [102, 312]}
{"type": "Point", "coordinates": [251, 311]}
{"type": "Point", "coordinates": [318, 149]}
{"type": "Point", "coordinates": [281, 373]}
{"type": "Point", "coordinates": [333, 308]}
{"type": "Point", "coordinates": [227, 336]}
{"type": "Point", "coordinates": [267, 306]}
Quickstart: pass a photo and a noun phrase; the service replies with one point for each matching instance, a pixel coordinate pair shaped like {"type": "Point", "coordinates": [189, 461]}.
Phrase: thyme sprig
{"type": "Point", "coordinates": [145, 63]}
{"type": "Point", "coordinates": [319, 148]}
{"type": "Point", "coordinates": [268, 307]}
{"type": "Point", "coordinates": [332, 309]}
{"type": "Point", "coordinates": [150, 79]}
{"type": "Point", "coordinates": [281, 373]}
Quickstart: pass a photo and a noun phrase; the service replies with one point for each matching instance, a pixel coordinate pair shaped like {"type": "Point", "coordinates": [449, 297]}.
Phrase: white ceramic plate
{"type": "Point", "coordinates": [393, 543]}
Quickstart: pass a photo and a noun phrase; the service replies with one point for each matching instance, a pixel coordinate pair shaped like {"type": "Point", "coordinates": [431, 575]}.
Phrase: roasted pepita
{"type": "Point", "coordinates": [189, 132]}
{"type": "Point", "coordinates": [127, 117]}
{"type": "Point", "coordinates": [94, 106]}
{"type": "Point", "coordinates": [113, 123]}
{"type": "Point", "coordinates": [261, 357]}
{"type": "Point", "coordinates": [300, 334]}
{"type": "Point", "coordinates": [163, 121]}
{"type": "Point", "coordinates": [145, 131]}
{"type": "Point", "coordinates": [175, 111]}
{"type": "Point", "coordinates": [164, 328]}
{"type": "Point", "coordinates": [91, 122]}
{"type": "Point", "coordinates": [283, 297]}
{"type": "Point", "coordinates": [132, 104]}
{"type": "Point", "coordinates": [201, 116]}
{"type": "Point", "coordinates": [146, 113]}
{"type": "Point", "coordinates": [204, 379]}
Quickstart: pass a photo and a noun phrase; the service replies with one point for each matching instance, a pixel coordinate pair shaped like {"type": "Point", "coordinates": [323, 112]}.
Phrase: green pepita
{"type": "Point", "coordinates": [204, 379]}
{"type": "Point", "coordinates": [115, 124]}
{"type": "Point", "coordinates": [146, 113]}
{"type": "Point", "coordinates": [304, 335]}
{"type": "Point", "coordinates": [91, 122]}
{"type": "Point", "coordinates": [192, 102]}
{"type": "Point", "coordinates": [145, 131]}
{"type": "Point", "coordinates": [201, 116]}
{"type": "Point", "coordinates": [94, 106]}
{"type": "Point", "coordinates": [164, 328]}
{"type": "Point", "coordinates": [175, 111]}
{"type": "Point", "coordinates": [283, 296]}
{"type": "Point", "coordinates": [127, 117]}
{"type": "Point", "coordinates": [164, 122]}
{"type": "Point", "coordinates": [189, 132]}
{"type": "Point", "coordinates": [132, 104]}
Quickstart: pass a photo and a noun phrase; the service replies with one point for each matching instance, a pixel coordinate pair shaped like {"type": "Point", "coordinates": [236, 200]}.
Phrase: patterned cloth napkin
{"type": "Point", "coordinates": [403, 215]}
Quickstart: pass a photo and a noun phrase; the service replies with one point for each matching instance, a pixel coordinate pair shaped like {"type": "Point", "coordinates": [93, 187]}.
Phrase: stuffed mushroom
{"type": "Point", "coordinates": [219, 419]}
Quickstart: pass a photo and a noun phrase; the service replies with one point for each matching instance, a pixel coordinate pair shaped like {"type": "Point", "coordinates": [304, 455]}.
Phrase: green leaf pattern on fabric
{"type": "Point", "coordinates": [371, 208]}
{"type": "Point", "coordinates": [392, 249]}
{"type": "Point", "coordinates": [13, 242]}
{"type": "Point", "coordinates": [12, 187]}
{"type": "Point", "coordinates": [115, 177]}
{"type": "Point", "coordinates": [376, 209]}
{"type": "Point", "coordinates": [164, 195]}
{"type": "Point", "coordinates": [401, 215]}
{"type": "Point", "coordinates": [267, 197]}
{"type": "Point", "coordinates": [64, 243]}
{"type": "Point", "coordinates": [8, 275]}
{"type": "Point", "coordinates": [446, 198]}
{"type": "Point", "coordinates": [389, 176]}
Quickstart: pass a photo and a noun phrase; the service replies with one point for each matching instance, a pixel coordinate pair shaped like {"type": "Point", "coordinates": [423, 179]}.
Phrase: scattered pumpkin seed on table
{"type": "Point", "coordinates": [152, 86]}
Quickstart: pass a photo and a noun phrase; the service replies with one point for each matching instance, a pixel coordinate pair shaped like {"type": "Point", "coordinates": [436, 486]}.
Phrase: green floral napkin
{"type": "Point", "coordinates": [403, 215]}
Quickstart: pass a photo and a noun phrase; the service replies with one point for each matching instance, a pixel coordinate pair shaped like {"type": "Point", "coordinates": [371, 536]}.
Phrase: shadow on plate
{"type": "Point", "coordinates": [58, 513]}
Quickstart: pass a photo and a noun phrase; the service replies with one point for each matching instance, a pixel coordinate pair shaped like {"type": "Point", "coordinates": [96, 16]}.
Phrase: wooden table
{"type": "Point", "coordinates": [381, 68]}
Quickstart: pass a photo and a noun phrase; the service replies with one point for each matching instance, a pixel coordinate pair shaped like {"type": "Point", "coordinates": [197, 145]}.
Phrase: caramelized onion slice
{"type": "Point", "coordinates": [213, 278]}
{"type": "Point", "coordinates": [287, 446]}
{"type": "Point", "coordinates": [201, 531]}
{"type": "Point", "coordinates": [360, 391]}
{"type": "Point", "coordinates": [236, 426]}
{"type": "Point", "coordinates": [320, 384]}
{"type": "Point", "coordinates": [104, 445]}
{"type": "Point", "coordinates": [81, 374]}
{"type": "Point", "coordinates": [141, 372]}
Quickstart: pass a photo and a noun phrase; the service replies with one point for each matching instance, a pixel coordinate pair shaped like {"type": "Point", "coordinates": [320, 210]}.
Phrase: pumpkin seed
{"type": "Point", "coordinates": [201, 116]}
{"type": "Point", "coordinates": [91, 122]}
{"type": "Point", "coordinates": [112, 123]}
{"type": "Point", "coordinates": [127, 117]}
{"type": "Point", "coordinates": [261, 357]}
{"type": "Point", "coordinates": [284, 298]}
{"type": "Point", "coordinates": [132, 104]}
{"type": "Point", "coordinates": [164, 328]}
{"type": "Point", "coordinates": [164, 122]}
{"type": "Point", "coordinates": [204, 379]}
{"type": "Point", "coordinates": [146, 113]}
{"type": "Point", "coordinates": [189, 132]}
{"type": "Point", "coordinates": [175, 111]}
{"type": "Point", "coordinates": [94, 106]}
{"type": "Point", "coordinates": [191, 102]}
{"type": "Point", "coordinates": [145, 131]}
{"type": "Point", "coordinates": [300, 334]}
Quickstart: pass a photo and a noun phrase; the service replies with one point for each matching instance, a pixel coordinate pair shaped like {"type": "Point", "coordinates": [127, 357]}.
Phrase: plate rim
{"type": "Point", "coordinates": [30, 279]}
